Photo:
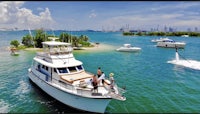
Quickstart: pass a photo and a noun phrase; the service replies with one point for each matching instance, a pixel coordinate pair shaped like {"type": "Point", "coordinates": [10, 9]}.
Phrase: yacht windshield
{"type": "Point", "coordinates": [80, 67]}
{"type": "Point", "coordinates": [62, 70]}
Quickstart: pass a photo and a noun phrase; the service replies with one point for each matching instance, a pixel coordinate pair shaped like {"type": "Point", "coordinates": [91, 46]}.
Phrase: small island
{"type": "Point", "coordinates": [35, 42]}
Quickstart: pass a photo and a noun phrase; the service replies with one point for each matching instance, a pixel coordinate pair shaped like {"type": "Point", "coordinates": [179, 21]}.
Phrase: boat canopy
{"type": "Point", "coordinates": [55, 43]}
{"type": "Point", "coordinates": [59, 63]}
{"type": "Point", "coordinates": [127, 45]}
{"type": "Point", "coordinates": [168, 40]}
{"type": "Point", "coordinates": [57, 47]}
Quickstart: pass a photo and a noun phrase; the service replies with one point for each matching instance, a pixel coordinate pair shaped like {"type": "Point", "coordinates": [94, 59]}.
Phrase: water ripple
{"type": "Point", "coordinates": [4, 107]}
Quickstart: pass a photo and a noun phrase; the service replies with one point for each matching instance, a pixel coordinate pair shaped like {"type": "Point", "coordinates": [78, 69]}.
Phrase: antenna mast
{"type": "Point", "coordinates": [31, 36]}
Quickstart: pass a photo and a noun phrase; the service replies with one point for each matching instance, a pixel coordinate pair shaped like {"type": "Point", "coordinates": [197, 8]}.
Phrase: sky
{"type": "Point", "coordinates": [98, 15]}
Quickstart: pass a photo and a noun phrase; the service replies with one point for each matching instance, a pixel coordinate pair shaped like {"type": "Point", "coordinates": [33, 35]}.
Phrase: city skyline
{"type": "Point", "coordinates": [98, 15]}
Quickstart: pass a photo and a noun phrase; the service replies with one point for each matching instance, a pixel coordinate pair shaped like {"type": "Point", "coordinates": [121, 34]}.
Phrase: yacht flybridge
{"type": "Point", "coordinates": [59, 74]}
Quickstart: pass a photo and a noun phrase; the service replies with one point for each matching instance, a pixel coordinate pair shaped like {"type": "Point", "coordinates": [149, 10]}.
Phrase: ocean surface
{"type": "Point", "coordinates": [152, 84]}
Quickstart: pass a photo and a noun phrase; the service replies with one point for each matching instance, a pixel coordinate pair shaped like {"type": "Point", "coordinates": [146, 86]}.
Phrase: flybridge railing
{"type": "Point", "coordinates": [59, 50]}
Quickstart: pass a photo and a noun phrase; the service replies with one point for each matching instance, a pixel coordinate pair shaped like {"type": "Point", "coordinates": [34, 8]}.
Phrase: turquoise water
{"type": "Point", "coordinates": [152, 84]}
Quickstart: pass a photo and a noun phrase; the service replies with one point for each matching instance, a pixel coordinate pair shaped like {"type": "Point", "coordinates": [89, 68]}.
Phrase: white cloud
{"type": "Point", "coordinates": [12, 15]}
{"type": "Point", "coordinates": [92, 14]}
{"type": "Point", "coordinates": [153, 20]}
{"type": "Point", "coordinates": [185, 5]}
{"type": "Point", "coordinates": [170, 16]}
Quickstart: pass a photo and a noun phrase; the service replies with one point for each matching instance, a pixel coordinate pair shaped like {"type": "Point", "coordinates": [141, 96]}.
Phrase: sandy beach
{"type": "Point", "coordinates": [97, 48]}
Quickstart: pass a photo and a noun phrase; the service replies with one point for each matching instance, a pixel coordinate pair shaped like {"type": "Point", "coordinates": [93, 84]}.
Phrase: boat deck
{"type": "Point", "coordinates": [70, 78]}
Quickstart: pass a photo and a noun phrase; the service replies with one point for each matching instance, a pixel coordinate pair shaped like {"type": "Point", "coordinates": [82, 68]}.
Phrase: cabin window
{"type": "Point", "coordinates": [55, 70]}
{"type": "Point", "coordinates": [62, 70]}
{"type": "Point", "coordinates": [47, 68]}
{"type": "Point", "coordinates": [38, 67]}
{"type": "Point", "coordinates": [80, 67]}
{"type": "Point", "coordinates": [72, 69]}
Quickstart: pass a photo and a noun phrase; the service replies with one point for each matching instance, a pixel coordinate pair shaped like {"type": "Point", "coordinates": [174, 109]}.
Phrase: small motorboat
{"type": "Point", "coordinates": [128, 48]}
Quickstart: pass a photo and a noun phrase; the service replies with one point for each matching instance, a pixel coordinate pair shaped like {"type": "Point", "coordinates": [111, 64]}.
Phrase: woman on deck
{"type": "Point", "coordinates": [95, 83]}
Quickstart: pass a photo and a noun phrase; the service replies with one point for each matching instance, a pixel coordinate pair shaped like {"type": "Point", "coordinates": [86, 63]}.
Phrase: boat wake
{"type": "Point", "coordinates": [193, 64]}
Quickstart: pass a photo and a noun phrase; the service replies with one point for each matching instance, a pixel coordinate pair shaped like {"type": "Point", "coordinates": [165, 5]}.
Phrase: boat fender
{"type": "Point", "coordinates": [166, 45]}
{"type": "Point", "coordinates": [29, 70]}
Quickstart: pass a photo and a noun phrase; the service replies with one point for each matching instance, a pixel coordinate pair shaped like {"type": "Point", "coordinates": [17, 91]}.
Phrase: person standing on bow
{"type": "Point", "coordinates": [112, 82]}
{"type": "Point", "coordinates": [99, 72]}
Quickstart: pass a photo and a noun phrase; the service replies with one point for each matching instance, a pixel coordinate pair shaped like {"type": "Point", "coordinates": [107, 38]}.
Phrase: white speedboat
{"type": "Point", "coordinates": [59, 74]}
{"type": "Point", "coordinates": [169, 43]}
{"type": "Point", "coordinates": [128, 48]}
{"type": "Point", "coordinates": [160, 39]}
{"type": "Point", "coordinates": [184, 35]}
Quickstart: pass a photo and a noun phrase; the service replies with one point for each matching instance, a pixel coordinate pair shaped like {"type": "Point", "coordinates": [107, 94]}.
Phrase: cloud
{"type": "Point", "coordinates": [148, 21]}
{"type": "Point", "coordinates": [92, 14]}
{"type": "Point", "coordinates": [12, 15]}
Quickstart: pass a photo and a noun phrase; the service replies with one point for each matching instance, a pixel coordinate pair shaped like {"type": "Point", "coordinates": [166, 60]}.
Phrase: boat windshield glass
{"type": "Point", "coordinates": [62, 70]}
{"type": "Point", "coordinates": [80, 67]}
{"type": "Point", "coordinates": [72, 69]}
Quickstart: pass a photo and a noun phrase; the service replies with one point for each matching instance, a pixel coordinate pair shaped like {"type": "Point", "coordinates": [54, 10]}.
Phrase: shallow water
{"type": "Point", "coordinates": [152, 84]}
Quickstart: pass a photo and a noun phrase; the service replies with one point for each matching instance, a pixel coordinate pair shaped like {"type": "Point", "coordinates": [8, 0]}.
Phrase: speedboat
{"type": "Point", "coordinates": [169, 43]}
{"type": "Point", "coordinates": [184, 35]}
{"type": "Point", "coordinates": [58, 73]}
{"type": "Point", "coordinates": [128, 48]}
{"type": "Point", "coordinates": [159, 40]}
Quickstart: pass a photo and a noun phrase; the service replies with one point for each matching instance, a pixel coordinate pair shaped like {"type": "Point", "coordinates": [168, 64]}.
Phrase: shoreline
{"type": "Point", "coordinates": [97, 48]}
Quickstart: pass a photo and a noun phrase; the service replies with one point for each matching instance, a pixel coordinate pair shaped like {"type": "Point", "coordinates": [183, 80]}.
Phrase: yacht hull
{"type": "Point", "coordinates": [171, 45]}
{"type": "Point", "coordinates": [97, 105]}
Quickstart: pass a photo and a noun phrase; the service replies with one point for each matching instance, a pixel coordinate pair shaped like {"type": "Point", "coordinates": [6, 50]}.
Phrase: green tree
{"type": "Point", "coordinates": [75, 41]}
{"type": "Point", "coordinates": [39, 38]}
{"type": "Point", "coordinates": [14, 43]}
{"type": "Point", "coordinates": [65, 37]}
{"type": "Point", "coordinates": [84, 38]}
{"type": "Point", "coordinates": [27, 41]}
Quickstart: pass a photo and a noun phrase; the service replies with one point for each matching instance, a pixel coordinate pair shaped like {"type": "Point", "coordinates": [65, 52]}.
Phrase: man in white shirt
{"type": "Point", "coordinates": [102, 77]}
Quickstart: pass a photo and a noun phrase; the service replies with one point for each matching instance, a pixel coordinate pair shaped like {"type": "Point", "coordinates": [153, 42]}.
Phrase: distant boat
{"type": "Point", "coordinates": [59, 74]}
{"type": "Point", "coordinates": [128, 48]}
{"type": "Point", "coordinates": [185, 36]}
{"type": "Point", "coordinates": [159, 40]}
{"type": "Point", "coordinates": [169, 43]}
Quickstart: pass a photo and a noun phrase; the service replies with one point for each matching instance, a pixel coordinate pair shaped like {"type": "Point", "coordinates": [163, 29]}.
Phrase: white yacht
{"type": "Point", "coordinates": [128, 48]}
{"type": "Point", "coordinates": [59, 74]}
{"type": "Point", "coordinates": [169, 43]}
